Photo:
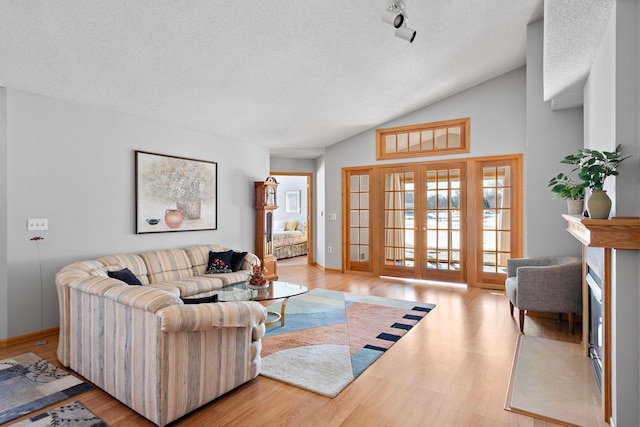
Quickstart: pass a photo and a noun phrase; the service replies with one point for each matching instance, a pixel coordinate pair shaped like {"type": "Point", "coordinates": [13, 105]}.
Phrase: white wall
{"type": "Point", "coordinates": [551, 135]}
{"type": "Point", "coordinates": [291, 183]}
{"type": "Point", "coordinates": [3, 212]}
{"type": "Point", "coordinates": [281, 164]}
{"type": "Point", "coordinates": [74, 165]}
{"type": "Point", "coordinates": [612, 115]}
{"type": "Point", "coordinates": [497, 109]}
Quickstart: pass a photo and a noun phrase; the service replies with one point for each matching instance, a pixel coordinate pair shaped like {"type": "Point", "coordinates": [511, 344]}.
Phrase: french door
{"type": "Point", "coordinates": [447, 221]}
{"type": "Point", "coordinates": [423, 230]}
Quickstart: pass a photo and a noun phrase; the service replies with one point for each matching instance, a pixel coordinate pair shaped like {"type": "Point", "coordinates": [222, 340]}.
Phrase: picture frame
{"type": "Point", "coordinates": [175, 193]}
{"type": "Point", "coordinates": [292, 201]}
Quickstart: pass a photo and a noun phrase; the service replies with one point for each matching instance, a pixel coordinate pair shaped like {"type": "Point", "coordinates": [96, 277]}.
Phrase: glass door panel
{"type": "Point", "coordinates": [498, 209]}
{"type": "Point", "coordinates": [358, 255]}
{"type": "Point", "coordinates": [399, 258]}
{"type": "Point", "coordinates": [443, 231]}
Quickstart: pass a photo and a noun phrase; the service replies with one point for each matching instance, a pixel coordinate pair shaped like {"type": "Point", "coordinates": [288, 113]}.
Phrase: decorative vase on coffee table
{"type": "Point", "coordinates": [599, 205]}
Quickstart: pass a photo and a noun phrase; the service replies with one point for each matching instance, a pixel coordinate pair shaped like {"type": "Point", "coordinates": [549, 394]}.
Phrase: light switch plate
{"type": "Point", "coordinates": [34, 224]}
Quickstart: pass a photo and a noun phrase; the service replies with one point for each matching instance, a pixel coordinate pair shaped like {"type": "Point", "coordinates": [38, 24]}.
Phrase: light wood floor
{"type": "Point", "coordinates": [452, 369]}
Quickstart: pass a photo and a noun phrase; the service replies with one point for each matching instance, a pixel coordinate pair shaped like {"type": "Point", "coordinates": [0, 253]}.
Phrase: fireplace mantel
{"type": "Point", "coordinates": [615, 233]}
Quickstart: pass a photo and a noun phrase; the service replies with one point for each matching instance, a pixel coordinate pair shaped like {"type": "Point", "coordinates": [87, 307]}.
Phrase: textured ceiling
{"type": "Point", "coordinates": [294, 76]}
{"type": "Point", "coordinates": [573, 31]}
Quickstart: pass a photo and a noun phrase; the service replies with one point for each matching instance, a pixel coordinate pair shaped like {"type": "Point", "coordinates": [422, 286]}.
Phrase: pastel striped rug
{"type": "Point", "coordinates": [330, 337]}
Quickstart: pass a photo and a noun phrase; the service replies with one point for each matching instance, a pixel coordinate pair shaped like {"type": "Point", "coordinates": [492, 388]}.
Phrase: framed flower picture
{"type": "Point", "coordinates": [175, 193]}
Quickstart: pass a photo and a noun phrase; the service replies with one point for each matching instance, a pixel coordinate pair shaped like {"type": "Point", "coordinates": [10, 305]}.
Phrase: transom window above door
{"type": "Point", "coordinates": [428, 139]}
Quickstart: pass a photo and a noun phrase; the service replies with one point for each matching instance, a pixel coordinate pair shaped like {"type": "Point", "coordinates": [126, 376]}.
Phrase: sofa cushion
{"type": "Point", "coordinates": [237, 259]}
{"type": "Point", "coordinates": [197, 286]}
{"type": "Point", "coordinates": [219, 262]}
{"type": "Point", "coordinates": [199, 257]}
{"type": "Point", "coordinates": [126, 276]}
{"type": "Point", "coordinates": [167, 265]}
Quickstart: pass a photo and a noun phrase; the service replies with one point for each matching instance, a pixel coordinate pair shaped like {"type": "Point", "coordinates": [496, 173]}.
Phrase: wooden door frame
{"type": "Point", "coordinates": [471, 273]}
{"type": "Point", "coordinates": [310, 228]}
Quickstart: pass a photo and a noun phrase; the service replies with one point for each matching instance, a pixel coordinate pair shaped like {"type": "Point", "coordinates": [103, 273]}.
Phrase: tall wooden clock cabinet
{"type": "Point", "coordinates": [265, 205]}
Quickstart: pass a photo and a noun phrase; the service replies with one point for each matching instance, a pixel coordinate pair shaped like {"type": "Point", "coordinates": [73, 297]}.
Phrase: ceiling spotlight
{"type": "Point", "coordinates": [393, 17]}
{"type": "Point", "coordinates": [406, 33]}
{"type": "Point", "coordinates": [395, 14]}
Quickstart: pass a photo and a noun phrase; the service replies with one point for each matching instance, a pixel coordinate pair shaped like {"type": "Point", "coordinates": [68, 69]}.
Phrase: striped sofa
{"type": "Point", "coordinates": [143, 345]}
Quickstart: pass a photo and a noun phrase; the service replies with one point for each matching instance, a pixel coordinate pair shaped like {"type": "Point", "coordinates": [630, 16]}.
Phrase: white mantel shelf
{"type": "Point", "coordinates": [615, 233]}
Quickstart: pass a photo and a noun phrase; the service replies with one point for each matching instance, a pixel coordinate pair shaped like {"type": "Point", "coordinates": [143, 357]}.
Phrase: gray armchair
{"type": "Point", "coordinates": [548, 284]}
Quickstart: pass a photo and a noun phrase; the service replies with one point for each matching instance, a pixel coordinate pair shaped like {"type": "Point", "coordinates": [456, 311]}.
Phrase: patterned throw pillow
{"type": "Point", "coordinates": [219, 262]}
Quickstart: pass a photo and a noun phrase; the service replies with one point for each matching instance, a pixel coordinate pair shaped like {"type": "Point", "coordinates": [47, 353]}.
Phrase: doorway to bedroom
{"type": "Point", "coordinates": [292, 223]}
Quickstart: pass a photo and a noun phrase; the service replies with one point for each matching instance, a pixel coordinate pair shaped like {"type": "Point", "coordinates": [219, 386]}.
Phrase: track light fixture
{"type": "Point", "coordinates": [397, 16]}
{"type": "Point", "coordinates": [406, 33]}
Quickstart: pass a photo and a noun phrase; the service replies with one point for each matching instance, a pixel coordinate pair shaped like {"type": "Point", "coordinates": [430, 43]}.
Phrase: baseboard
{"type": "Point", "coordinates": [28, 337]}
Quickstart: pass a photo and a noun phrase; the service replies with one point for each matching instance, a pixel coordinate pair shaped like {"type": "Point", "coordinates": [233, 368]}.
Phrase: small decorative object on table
{"type": "Point", "coordinates": [256, 278]}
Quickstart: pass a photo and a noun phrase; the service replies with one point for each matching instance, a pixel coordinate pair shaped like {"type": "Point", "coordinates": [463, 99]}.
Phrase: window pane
{"type": "Point", "coordinates": [364, 183]}
{"type": "Point", "coordinates": [441, 138]}
{"type": "Point", "coordinates": [414, 141]}
{"type": "Point", "coordinates": [354, 235]}
{"type": "Point", "coordinates": [364, 200]}
{"type": "Point", "coordinates": [353, 257]}
{"type": "Point", "coordinates": [364, 253]}
{"type": "Point", "coordinates": [364, 236]}
{"type": "Point", "coordinates": [355, 201]}
{"type": "Point", "coordinates": [390, 146]}
{"type": "Point", "coordinates": [403, 142]}
{"type": "Point", "coordinates": [427, 140]}
{"type": "Point", "coordinates": [354, 219]}
{"type": "Point", "coordinates": [354, 184]}
{"type": "Point", "coordinates": [454, 137]}
{"type": "Point", "coordinates": [364, 218]}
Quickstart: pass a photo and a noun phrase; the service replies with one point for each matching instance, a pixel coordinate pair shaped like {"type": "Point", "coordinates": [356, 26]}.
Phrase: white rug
{"type": "Point", "coordinates": [332, 368]}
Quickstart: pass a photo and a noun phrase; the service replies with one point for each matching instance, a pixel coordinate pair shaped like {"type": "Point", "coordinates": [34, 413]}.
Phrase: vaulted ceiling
{"type": "Point", "coordinates": [294, 76]}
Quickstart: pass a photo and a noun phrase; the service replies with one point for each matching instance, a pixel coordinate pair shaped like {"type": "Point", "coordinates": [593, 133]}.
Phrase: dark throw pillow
{"type": "Point", "coordinates": [236, 260]}
{"type": "Point", "coordinates": [219, 262]}
{"type": "Point", "coordinates": [203, 300]}
{"type": "Point", "coordinates": [126, 276]}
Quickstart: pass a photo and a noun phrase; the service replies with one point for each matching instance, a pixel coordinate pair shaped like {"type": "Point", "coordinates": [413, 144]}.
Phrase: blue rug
{"type": "Point", "coordinates": [329, 338]}
{"type": "Point", "coordinates": [29, 383]}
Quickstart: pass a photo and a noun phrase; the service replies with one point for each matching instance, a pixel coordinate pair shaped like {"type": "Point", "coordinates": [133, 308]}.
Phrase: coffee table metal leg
{"type": "Point", "coordinates": [284, 304]}
{"type": "Point", "coordinates": [277, 316]}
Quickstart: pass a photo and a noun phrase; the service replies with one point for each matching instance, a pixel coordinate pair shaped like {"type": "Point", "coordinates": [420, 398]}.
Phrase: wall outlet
{"type": "Point", "coordinates": [34, 224]}
{"type": "Point", "coordinates": [329, 249]}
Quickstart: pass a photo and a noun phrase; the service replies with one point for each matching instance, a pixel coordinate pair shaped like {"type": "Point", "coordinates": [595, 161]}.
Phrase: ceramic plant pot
{"type": "Point", "coordinates": [599, 205]}
{"type": "Point", "coordinates": [575, 207]}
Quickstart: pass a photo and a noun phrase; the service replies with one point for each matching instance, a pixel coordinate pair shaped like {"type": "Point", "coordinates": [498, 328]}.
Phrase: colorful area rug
{"type": "Point", "coordinates": [74, 414]}
{"type": "Point", "coordinates": [331, 337]}
{"type": "Point", "coordinates": [29, 383]}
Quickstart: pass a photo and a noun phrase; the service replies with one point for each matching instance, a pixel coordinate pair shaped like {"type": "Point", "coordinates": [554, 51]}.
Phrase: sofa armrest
{"type": "Point", "coordinates": [249, 261]}
{"type": "Point", "coordinates": [201, 317]}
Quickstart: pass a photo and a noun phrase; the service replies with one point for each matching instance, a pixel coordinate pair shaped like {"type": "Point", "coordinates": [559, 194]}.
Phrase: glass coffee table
{"type": "Point", "coordinates": [275, 290]}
